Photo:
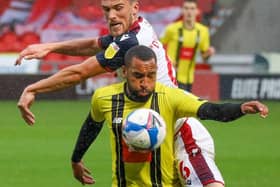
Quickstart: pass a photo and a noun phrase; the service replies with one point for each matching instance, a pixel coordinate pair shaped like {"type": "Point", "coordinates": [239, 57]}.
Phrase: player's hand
{"type": "Point", "coordinates": [34, 51]}
{"type": "Point", "coordinates": [254, 107]}
{"type": "Point", "coordinates": [24, 104]}
{"type": "Point", "coordinates": [211, 51]}
{"type": "Point", "coordinates": [81, 173]}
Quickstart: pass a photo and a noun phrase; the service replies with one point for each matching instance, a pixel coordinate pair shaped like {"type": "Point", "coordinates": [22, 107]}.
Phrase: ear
{"type": "Point", "coordinates": [197, 12]}
{"type": "Point", "coordinates": [124, 72]}
{"type": "Point", "coordinates": [135, 8]}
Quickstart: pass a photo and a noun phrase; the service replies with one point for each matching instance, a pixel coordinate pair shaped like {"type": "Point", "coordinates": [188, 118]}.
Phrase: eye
{"type": "Point", "coordinates": [138, 75]}
{"type": "Point", "coordinates": [119, 7]}
{"type": "Point", "coordinates": [106, 9]}
{"type": "Point", "coordinates": [152, 75]}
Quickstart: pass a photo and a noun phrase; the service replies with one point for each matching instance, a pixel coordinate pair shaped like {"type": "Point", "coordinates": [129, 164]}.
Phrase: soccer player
{"type": "Point", "coordinates": [140, 90]}
{"type": "Point", "coordinates": [126, 29]}
{"type": "Point", "coordinates": [182, 40]}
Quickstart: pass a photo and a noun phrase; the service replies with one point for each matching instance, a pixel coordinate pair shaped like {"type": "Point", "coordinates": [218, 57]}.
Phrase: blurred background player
{"type": "Point", "coordinates": [182, 40]}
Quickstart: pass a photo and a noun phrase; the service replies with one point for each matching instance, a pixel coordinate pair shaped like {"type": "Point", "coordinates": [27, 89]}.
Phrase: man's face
{"type": "Point", "coordinates": [141, 77]}
{"type": "Point", "coordinates": [119, 14]}
{"type": "Point", "coordinates": [189, 11]}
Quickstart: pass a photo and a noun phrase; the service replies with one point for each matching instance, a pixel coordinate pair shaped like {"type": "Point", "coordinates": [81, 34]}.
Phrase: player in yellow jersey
{"type": "Point", "coordinates": [182, 40]}
{"type": "Point", "coordinates": [140, 90]}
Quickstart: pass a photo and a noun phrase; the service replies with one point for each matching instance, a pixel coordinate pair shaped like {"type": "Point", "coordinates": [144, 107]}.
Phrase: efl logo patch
{"type": "Point", "coordinates": [111, 51]}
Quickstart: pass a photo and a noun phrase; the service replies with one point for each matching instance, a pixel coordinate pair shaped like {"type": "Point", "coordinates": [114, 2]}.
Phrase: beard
{"type": "Point", "coordinates": [134, 96]}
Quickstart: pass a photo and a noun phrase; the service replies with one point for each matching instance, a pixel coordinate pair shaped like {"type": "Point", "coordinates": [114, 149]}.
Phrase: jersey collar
{"type": "Point", "coordinates": [136, 25]}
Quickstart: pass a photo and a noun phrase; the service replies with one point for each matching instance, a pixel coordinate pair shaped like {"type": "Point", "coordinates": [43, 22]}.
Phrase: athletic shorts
{"type": "Point", "coordinates": [195, 154]}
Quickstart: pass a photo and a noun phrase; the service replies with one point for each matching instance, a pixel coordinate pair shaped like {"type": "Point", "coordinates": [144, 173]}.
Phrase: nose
{"type": "Point", "coordinates": [144, 83]}
{"type": "Point", "coordinates": [112, 14]}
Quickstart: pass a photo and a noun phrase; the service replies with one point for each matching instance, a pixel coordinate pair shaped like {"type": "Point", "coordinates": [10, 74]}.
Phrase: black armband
{"type": "Point", "coordinates": [88, 134]}
{"type": "Point", "coordinates": [220, 112]}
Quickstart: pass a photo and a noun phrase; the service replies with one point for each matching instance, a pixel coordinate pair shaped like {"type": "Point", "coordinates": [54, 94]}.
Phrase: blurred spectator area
{"type": "Point", "coordinates": [53, 20]}
{"type": "Point", "coordinates": [4, 4]}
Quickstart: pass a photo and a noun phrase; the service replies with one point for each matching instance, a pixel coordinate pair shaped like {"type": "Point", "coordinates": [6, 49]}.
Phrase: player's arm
{"type": "Point", "coordinates": [208, 53]}
{"type": "Point", "coordinates": [229, 111]}
{"type": "Point", "coordinates": [165, 36]}
{"type": "Point", "coordinates": [82, 47]}
{"type": "Point", "coordinates": [206, 50]}
{"type": "Point", "coordinates": [66, 77]}
{"type": "Point", "coordinates": [88, 134]}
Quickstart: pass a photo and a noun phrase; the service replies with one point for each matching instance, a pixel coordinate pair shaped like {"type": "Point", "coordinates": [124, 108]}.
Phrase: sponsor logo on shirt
{"type": "Point", "coordinates": [117, 120]}
{"type": "Point", "coordinates": [111, 51]}
{"type": "Point", "coordinates": [124, 37]}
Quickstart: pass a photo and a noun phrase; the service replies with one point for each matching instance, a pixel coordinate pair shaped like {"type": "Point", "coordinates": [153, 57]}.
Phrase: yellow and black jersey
{"type": "Point", "coordinates": [182, 46]}
{"type": "Point", "coordinates": [134, 169]}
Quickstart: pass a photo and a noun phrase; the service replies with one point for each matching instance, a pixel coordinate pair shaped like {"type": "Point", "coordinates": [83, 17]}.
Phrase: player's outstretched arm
{"type": "Point", "coordinates": [65, 78]}
{"type": "Point", "coordinates": [82, 47]}
{"type": "Point", "coordinates": [228, 111]}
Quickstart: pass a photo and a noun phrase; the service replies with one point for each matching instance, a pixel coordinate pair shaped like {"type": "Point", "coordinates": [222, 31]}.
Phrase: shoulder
{"type": "Point", "coordinates": [108, 91]}
{"type": "Point", "coordinates": [127, 40]}
{"type": "Point", "coordinates": [174, 25]}
{"type": "Point", "coordinates": [166, 90]}
{"type": "Point", "coordinates": [201, 27]}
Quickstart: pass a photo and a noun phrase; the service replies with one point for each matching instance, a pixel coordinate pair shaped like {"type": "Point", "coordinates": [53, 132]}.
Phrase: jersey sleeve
{"type": "Point", "coordinates": [104, 41]}
{"type": "Point", "coordinates": [185, 103]}
{"type": "Point", "coordinates": [112, 57]}
{"type": "Point", "coordinates": [205, 40]}
{"type": "Point", "coordinates": [166, 35]}
{"type": "Point", "coordinates": [96, 113]}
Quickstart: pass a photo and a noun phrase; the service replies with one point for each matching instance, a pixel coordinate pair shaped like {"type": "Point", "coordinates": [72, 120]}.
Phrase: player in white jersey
{"type": "Point", "coordinates": [109, 53]}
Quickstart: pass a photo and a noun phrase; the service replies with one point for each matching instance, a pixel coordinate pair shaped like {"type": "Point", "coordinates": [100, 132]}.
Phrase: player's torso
{"type": "Point", "coordinates": [191, 42]}
{"type": "Point", "coordinates": [141, 33]}
{"type": "Point", "coordinates": [147, 36]}
{"type": "Point", "coordinates": [129, 167]}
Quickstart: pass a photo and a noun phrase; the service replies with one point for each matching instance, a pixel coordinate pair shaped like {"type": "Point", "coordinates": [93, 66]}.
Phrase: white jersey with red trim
{"type": "Point", "coordinates": [141, 33]}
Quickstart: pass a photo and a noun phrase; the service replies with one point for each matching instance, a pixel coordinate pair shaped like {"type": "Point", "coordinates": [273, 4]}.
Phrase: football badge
{"type": "Point", "coordinates": [111, 50]}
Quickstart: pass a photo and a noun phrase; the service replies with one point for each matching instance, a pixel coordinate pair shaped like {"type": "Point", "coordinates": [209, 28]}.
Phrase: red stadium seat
{"type": "Point", "coordinates": [54, 57]}
{"type": "Point", "coordinates": [29, 38]}
{"type": "Point", "coordinates": [4, 4]}
{"type": "Point", "coordinates": [11, 42]}
{"type": "Point", "coordinates": [46, 68]}
{"type": "Point", "coordinates": [202, 66]}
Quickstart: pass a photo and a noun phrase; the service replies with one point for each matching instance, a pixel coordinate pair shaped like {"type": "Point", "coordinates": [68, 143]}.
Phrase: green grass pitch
{"type": "Point", "coordinates": [247, 150]}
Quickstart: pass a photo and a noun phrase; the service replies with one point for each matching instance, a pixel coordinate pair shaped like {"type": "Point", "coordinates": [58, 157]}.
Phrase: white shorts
{"type": "Point", "coordinates": [195, 154]}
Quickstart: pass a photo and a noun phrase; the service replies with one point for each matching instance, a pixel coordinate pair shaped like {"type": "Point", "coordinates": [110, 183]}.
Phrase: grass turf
{"type": "Point", "coordinates": [247, 150]}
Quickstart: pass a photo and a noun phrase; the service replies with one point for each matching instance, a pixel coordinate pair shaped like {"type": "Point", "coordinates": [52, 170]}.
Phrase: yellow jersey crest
{"type": "Point", "coordinates": [111, 50]}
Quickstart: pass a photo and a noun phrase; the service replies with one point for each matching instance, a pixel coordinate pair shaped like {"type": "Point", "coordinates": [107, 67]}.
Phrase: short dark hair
{"type": "Point", "coordinates": [141, 52]}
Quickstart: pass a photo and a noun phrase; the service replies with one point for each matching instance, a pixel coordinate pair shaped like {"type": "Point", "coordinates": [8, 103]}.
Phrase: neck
{"type": "Point", "coordinates": [189, 25]}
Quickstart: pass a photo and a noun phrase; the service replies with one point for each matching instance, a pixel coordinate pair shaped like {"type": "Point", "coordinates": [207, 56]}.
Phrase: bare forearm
{"type": "Point", "coordinates": [61, 80]}
{"type": "Point", "coordinates": [83, 47]}
{"type": "Point", "coordinates": [67, 77]}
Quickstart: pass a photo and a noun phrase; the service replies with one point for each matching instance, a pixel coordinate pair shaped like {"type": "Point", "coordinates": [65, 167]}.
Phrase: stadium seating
{"type": "Point", "coordinates": [11, 42]}
{"type": "Point", "coordinates": [43, 14]}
